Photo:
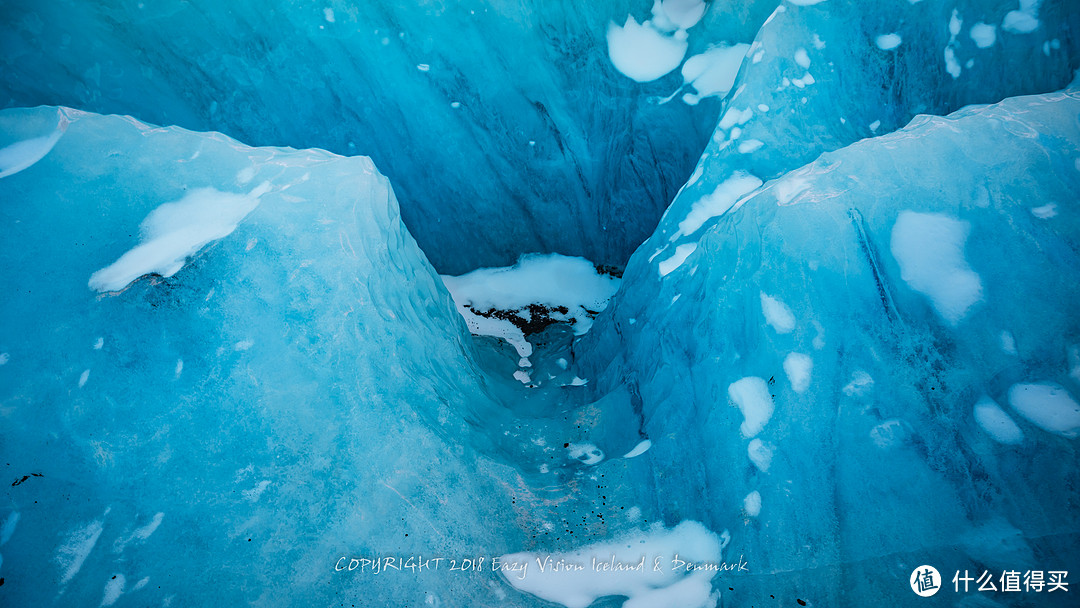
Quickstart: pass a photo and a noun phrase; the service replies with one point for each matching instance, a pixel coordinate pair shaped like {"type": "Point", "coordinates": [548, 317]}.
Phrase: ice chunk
{"type": "Point", "coordinates": [642, 52]}
{"type": "Point", "coordinates": [175, 231]}
{"type": "Point", "coordinates": [996, 422]}
{"type": "Point", "coordinates": [624, 567]}
{"type": "Point", "coordinates": [930, 250]}
{"type": "Point", "coordinates": [751, 395]}
{"type": "Point", "coordinates": [1048, 406]}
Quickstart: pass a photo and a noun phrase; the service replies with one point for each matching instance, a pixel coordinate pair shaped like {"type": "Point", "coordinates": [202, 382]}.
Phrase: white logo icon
{"type": "Point", "coordinates": [925, 581]}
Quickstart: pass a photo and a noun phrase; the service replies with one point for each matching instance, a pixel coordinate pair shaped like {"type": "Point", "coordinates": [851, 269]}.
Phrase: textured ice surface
{"type": "Point", "coordinates": [508, 118]}
{"type": "Point", "coordinates": [273, 378]}
{"type": "Point", "coordinates": [850, 347]}
{"type": "Point", "coordinates": [839, 334]}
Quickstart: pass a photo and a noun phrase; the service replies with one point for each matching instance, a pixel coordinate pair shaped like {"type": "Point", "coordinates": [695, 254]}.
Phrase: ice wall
{"type": "Point", "coordinates": [820, 76]}
{"type": "Point", "coordinates": [291, 383]}
{"type": "Point", "coordinates": [871, 361]}
{"type": "Point", "coordinates": [503, 125]}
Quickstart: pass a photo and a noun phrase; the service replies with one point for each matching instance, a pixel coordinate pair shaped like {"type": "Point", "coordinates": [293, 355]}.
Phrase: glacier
{"type": "Point", "coordinates": [674, 304]}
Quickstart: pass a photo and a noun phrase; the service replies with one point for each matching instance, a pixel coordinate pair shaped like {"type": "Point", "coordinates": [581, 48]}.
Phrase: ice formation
{"type": "Point", "coordinates": [686, 303]}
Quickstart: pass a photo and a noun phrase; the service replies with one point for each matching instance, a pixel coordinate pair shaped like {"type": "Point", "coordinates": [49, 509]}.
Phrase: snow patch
{"type": "Point", "coordinates": [681, 253]}
{"type": "Point", "coordinates": [752, 504]}
{"type": "Point", "coordinates": [639, 449]}
{"type": "Point", "coordinates": [798, 367]}
{"type": "Point", "coordinates": [751, 395]}
{"type": "Point", "coordinates": [24, 154]}
{"type": "Point", "coordinates": [888, 42]}
{"type": "Point", "coordinates": [71, 555]}
{"type": "Point", "coordinates": [1048, 406]}
{"type": "Point", "coordinates": [586, 453]}
{"type": "Point", "coordinates": [552, 281]}
{"type": "Point", "coordinates": [983, 35]}
{"type": "Point", "coordinates": [555, 577]}
{"type": "Point", "coordinates": [723, 198]}
{"type": "Point", "coordinates": [642, 52]}
{"type": "Point", "coordinates": [175, 231]}
{"type": "Point", "coordinates": [713, 72]}
{"type": "Point", "coordinates": [761, 454]}
{"type": "Point", "coordinates": [777, 314]}
{"type": "Point", "coordinates": [996, 423]}
{"type": "Point", "coordinates": [930, 250]}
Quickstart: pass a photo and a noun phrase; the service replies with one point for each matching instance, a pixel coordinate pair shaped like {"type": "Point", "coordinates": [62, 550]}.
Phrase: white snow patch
{"type": "Point", "coordinates": [777, 314]}
{"type": "Point", "coordinates": [22, 155]}
{"type": "Point", "coordinates": [750, 145]}
{"type": "Point", "coordinates": [930, 250]}
{"type": "Point", "coordinates": [84, 377]}
{"type": "Point", "coordinates": [99, 343]}
{"type": "Point", "coordinates": [175, 231]}
{"type": "Point", "coordinates": [113, 590]}
{"type": "Point", "coordinates": [682, 252]}
{"type": "Point", "coordinates": [860, 384]}
{"type": "Point", "coordinates": [1048, 406]}
{"type": "Point", "coordinates": [761, 454]}
{"type": "Point", "coordinates": [798, 368]}
{"type": "Point", "coordinates": [983, 35]}
{"type": "Point", "coordinates": [952, 66]}
{"type": "Point", "coordinates": [639, 449]}
{"type": "Point", "coordinates": [888, 42]}
{"type": "Point", "coordinates": [802, 58]}
{"type": "Point", "coordinates": [548, 280]}
{"type": "Point", "coordinates": [751, 395]}
{"type": "Point", "coordinates": [642, 52]}
{"type": "Point", "coordinates": [752, 503]}
{"type": "Point", "coordinates": [724, 197]}
{"type": "Point", "coordinates": [1023, 21]}
{"type": "Point", "coordinates": [997, 424]}
{"type": "Point", "coordinates": [71, 555]}
{"type": "Point", "coordinates": [713, 72]}
{"type": "Point", "coordinates": [328, 14]}
{"type": "Point", "coordinates": [556, 577]}
{"type": "Point", "coordinates": [678, 14]}
{"type": "Point", "coordinates": [1045, 212]}
{"type": "Point", "coordinates": [586, 453]}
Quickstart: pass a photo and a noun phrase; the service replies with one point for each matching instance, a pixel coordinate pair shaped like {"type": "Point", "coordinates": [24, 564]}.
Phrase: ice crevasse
{"type": "Point", "coordinates": [848, 347]}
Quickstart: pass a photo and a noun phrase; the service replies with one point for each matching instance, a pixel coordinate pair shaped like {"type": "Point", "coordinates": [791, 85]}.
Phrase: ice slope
{"type": "Point", "coordinates": [821, 76]}
{"type": "Point", "coordinates": [289, 384]}
{"type": "Point", "coordinates": [504, 126]}
{"type": "Point", "coordinates": [871, 362]}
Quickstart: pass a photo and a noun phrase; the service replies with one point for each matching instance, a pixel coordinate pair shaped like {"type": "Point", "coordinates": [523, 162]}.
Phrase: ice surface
{"type": "Point", "coordinates": [849, 348]}
{"type": "Point", "coordinates": [899, 260]}
{"type": "Point", "coordinates": [625, 566]}
{"type": "Point", "coordinates": [508, 118]}
{"type": "Point", "coordinates": [274, 377]}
